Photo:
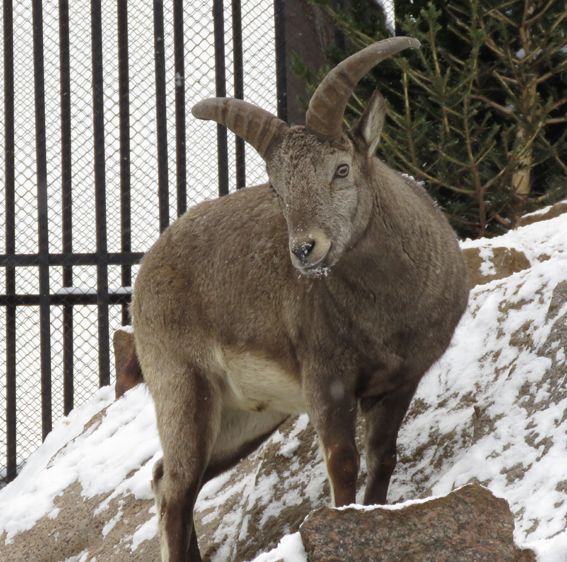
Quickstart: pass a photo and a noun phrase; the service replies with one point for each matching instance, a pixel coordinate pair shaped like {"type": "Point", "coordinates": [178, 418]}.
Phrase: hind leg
{"type": "Point", "coordinates": [188, 417]}
{"type": "Point", "coordinates": [237, 434]}
{"type": "Point", "coordinates": [157, 488]}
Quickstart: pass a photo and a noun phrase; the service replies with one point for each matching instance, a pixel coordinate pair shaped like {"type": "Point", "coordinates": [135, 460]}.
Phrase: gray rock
{"type": "Point", "coordinates": [468, 524]}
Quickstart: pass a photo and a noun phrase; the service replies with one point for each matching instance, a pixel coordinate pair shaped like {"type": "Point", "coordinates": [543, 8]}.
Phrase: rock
{"type": "Point", "coordinates": [244, 513]}
{"type": "Point", "coordinates": [128, 373]}
{"type": "Point", "coordinates": [496, 403]}
{"type": "Point", "coordinates": [80, 529]}
{"type": "Point", "coordinates": [490, 264]}
{"type": "Point", "coordinates": [543, 214]}
{"type": "Point", "coordinates": [468, 524]}
{"type": "Point", "coordinates": [123, 342]}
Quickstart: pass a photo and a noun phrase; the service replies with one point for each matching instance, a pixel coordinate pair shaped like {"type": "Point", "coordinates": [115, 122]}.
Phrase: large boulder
{"type": "Point", "coordinates": [468, 524]}
{"type": "Point", "coordinates": [491, 411]}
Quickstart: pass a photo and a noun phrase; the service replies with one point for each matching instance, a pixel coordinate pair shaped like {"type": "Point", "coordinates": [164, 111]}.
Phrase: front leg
{"type": "Point", "coordinates": [332, 409]}
{"type": "Point", "coordinates": [383, 417]}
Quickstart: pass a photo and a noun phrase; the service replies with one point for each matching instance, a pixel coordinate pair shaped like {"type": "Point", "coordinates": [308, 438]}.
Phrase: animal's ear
{"type": "Point", "coordinates": [366, 131]}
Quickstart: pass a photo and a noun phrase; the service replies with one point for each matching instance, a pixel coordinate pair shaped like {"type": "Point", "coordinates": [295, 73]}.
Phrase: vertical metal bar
{"type": "Point", "coordinates": [11, 418]}
{"type": "Point", "coordinates": [68, 360]}
{"type": "Point", "coordinates": [100, 195]}
{"type": "Point", "coordinates": [161, 116]}
{"type": "Point", "coordinates": [220, 78]}
{"type": "Point", "coordinates": [9, 161]}
{"type": "Point", "coordinates": [66, 188]}
{"type": "Point", "coordinates": [238, 87]}
{"type": "Point", "coordinates": [124, 100]}
{"type": "Point", "coordinates": [41, 157]}
{"type": "Point", "coordinates": [281, 66]}
{"type": "Point", "coordinates": [180, 138]}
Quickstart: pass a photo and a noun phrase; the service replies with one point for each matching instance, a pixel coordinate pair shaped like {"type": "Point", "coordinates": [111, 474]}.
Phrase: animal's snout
{"type": "Point", "coordinates": [309, 250]}
{"type": "Point", "coordinates": [303, 249]}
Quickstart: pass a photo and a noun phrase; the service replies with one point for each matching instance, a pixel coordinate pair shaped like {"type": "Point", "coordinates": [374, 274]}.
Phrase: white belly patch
{"type": "Point", "coordinates": [258, 384]}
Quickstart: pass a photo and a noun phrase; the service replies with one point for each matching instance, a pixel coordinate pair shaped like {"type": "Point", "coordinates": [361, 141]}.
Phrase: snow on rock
{"type": "Point", "coordinates": [544, 214]}
{"type": "Point", "coordinates": [493, 410]}
{"type": "Point", "coordinates": [85, 494]}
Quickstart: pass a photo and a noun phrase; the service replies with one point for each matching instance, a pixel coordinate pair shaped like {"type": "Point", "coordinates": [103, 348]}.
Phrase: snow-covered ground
{"type": "Point", "coordinates": [493, 410]}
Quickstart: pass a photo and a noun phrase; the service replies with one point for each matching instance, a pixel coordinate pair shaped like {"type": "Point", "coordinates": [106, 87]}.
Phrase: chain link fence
{"type": "Point", "coordinates": [390, 12]}
{"type": "Point", "coordinates": [51, 195]}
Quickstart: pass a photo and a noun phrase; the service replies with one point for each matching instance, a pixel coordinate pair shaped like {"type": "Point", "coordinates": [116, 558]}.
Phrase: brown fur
{"type": "Point", "coordinates": [234, 332]}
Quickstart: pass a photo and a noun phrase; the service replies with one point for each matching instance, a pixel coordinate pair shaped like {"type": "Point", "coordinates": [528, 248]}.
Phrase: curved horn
{"type": "Point", "coordinates": [256, 126]}
{"type": "Point", "coordinates": [327, 106]}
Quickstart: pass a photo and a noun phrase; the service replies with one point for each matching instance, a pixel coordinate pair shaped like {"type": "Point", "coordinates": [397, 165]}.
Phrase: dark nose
{"type": "Point", "coordinates": [303, 249]}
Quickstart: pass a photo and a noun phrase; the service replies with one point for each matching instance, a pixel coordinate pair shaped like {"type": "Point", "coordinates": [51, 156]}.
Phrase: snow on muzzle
{"type": "Point", "coordinates": [309, 249]}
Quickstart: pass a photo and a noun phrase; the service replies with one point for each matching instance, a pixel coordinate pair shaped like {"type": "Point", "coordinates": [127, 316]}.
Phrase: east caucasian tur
{"type": "Point", "coordinates": [331, 290]}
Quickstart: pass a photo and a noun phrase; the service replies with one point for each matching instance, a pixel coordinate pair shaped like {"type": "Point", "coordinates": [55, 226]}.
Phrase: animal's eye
{"type": "Point", "coordinates": [274, 190]}
{"type": "Point", "coordinates": [342, 171]}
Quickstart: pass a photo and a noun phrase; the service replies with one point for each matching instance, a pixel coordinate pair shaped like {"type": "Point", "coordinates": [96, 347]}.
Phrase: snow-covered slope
{"type": "Point", "coordinates": [493, 410]}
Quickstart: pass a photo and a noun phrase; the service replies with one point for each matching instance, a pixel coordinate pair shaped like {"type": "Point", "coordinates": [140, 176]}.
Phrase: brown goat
{"type": "Point", "coordinates": [335, 287]}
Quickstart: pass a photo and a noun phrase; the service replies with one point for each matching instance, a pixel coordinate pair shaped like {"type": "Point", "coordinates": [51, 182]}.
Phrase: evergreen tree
{"type": "Point", "coordinates": [479, 112]}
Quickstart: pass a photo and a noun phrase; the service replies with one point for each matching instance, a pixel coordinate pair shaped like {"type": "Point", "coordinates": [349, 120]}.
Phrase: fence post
{"type": "Point", "coordinates": [41, 155]}
{"type": "Point", "coordinates": [161, 116]}
{"type": "Point", "coordinates": [307, 30]}
{"type": "Point", "coordinates": [238, 87]}
{"type": "Point", "coordinates": [66, 201]}
{"type": "Point", "coordinates": [220, 80]}
{"type": "Point", "coordinates": [100, 195]}
{"type": "Point", "coordinates": [124, 101]}
{"type": "Point", "coordinates": [281, 58]}
{"type": "Point", "coordinates": [180, 136]}
{"type": "Point", "coordinates": [11, 445]}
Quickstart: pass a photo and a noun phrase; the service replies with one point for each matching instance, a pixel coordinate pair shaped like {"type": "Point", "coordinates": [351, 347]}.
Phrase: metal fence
{"type": "Point", "coordinates": [99, 156]}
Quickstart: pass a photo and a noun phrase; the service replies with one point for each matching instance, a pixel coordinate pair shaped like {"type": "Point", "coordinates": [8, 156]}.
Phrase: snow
{"type": "Point", "coordinates": [145, 532]}
{"type": "Point", "coordinates": [483, 345]}
{"type": "Point", "coordinates": [541, 238]}
{"type": "Point", "coordinates": [290, 549]}
{"type": "Point", "coordinates": [503, 421]}
{"type": "Point", "coordinates": [100, 459]}
{"type": "Point", "coordinates": [92, 291]}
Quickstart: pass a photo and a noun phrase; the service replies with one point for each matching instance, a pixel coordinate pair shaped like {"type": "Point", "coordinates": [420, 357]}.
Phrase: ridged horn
{"type": "Point", "coordinates": [256, 126]}
{"type": "Point", "coordinates": [327, 106]}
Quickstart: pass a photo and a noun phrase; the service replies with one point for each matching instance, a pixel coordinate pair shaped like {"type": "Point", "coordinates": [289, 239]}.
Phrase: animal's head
{"type": "Point", "coordinates": [320, 173]}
